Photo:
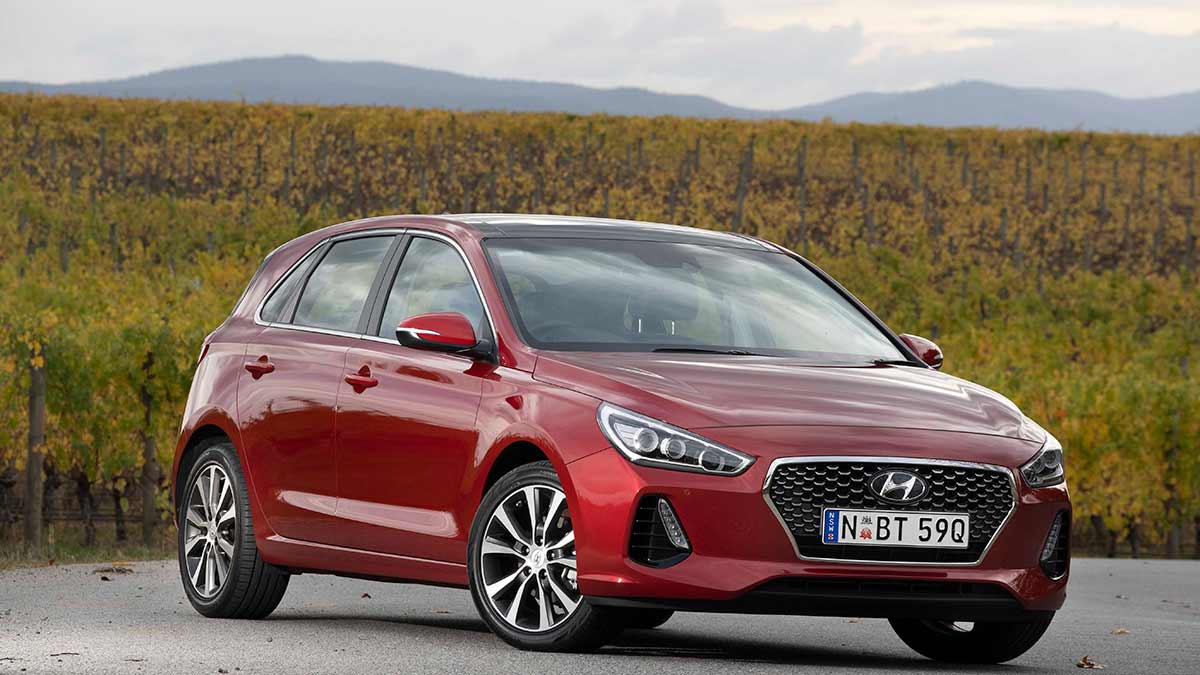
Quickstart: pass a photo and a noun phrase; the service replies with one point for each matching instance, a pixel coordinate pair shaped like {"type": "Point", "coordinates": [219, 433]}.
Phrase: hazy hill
{"type": "Point", "coordinates": [985, 104]}
{"type": "Point", "coordinates": [301, 79]}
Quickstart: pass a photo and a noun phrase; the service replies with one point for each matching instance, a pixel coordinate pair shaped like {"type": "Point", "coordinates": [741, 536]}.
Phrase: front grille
{"type": "Point", "coordinates": [799, 490]}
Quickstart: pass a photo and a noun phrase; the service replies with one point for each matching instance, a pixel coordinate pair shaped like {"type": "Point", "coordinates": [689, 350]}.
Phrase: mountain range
{"type": "Point", "coordinates": [302, 79]}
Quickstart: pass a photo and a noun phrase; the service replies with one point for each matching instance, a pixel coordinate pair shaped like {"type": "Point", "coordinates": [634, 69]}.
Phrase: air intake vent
{"type": "Point", "coordinates": [1056, 552]}
{"type": "Point", "coordinates": [649, 542]}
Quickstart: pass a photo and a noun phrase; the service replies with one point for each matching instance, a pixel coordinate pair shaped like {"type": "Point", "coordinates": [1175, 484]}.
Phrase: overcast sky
{"type": "Point", "coordinates": [756, 53]}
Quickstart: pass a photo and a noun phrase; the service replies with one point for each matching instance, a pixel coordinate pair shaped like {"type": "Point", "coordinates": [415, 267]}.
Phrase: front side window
{"type": "Point", "coordinates": [613, 295]}
{"type": "Point", "coordinates": [338, 288]}
{"type": "Point", "coordinates": [431, 278]}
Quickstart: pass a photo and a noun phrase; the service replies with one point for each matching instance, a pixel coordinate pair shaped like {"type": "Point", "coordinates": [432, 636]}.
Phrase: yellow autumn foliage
{"type": "Point", "coordinates": [1056, 268]}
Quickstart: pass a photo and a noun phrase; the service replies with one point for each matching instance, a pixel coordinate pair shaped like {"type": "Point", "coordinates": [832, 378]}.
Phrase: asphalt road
{"type": "Point", "coordinates": [68, 619]}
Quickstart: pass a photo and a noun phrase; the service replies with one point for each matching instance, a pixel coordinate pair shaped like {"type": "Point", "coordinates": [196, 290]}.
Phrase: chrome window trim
{"type": "Point", "coordinates": [372, 233]}
{"type": "Point", "coordinates": [1007, 472]}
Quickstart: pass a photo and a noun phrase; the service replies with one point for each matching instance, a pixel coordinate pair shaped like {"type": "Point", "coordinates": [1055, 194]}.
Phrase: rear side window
{"type": "Point", "coordinates": [338, 288]}
{"type": "Point", "coordinates": [432, 278]}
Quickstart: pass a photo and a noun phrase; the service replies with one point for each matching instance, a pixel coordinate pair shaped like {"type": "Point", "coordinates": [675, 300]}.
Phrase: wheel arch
{"type": "Point", "coordinates": [516, 454]}
{"type": "Point", "coordinates": [203, 427]}
{"type": "Point", "coordinates": [190, 451]}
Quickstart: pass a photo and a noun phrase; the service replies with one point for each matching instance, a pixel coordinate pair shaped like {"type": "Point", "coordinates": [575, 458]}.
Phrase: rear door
{"type": "Point", "coordinates": [290, 381]}
{"type": "Point", "coordinates": [404, 443]}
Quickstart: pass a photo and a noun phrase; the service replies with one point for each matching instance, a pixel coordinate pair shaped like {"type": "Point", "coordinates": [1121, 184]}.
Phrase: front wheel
{"type": "Point", "coordinates": [979, 642]}
{"type": "Point", "coordinates": [521, 567]}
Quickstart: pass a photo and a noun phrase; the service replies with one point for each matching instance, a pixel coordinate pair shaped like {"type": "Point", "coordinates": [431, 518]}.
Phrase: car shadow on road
{"type": "Point", "coordinates": [668, 643]}
{"type": "Point", "coordinates": [447, 621]}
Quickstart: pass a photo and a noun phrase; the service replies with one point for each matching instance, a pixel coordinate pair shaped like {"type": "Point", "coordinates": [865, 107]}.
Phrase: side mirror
{"type": "Point", "coordinates": [929, 352]}
{"type": "Point", "coordinates": [438, 332]}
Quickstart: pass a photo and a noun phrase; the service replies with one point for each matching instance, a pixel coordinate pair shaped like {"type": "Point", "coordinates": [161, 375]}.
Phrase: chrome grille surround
{"type": "Point", "coordinates": [805, 515]}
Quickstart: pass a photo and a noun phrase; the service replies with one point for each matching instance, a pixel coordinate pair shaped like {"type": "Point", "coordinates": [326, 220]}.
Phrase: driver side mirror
{"type": "Point", "coordinates": [448, 332]}
{"type": "Point", "coordinates": [927, 350]}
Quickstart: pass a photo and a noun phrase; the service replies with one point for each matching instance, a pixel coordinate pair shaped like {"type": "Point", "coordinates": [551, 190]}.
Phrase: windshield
{"type": "Point", "coordinates": [615, 295]}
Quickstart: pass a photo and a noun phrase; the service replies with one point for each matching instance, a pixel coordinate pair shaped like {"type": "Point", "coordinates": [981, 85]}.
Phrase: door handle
{"type": "Point", "coordinates": [260, 367]}
{"type": "Point", "coordinates": [362, 380]}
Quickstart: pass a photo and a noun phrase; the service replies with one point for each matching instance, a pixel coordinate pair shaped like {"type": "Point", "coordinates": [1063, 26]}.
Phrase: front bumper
{"type": "Point", "coordinates": [743, 560]}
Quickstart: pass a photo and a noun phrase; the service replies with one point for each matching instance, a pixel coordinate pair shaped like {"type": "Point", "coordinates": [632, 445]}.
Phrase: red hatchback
{"type": "Point", "coordinates": [595, 423]}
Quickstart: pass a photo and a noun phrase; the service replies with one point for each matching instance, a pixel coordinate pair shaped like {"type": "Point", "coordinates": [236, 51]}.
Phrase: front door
{"type": "Point", "coordinates": [406, 433]}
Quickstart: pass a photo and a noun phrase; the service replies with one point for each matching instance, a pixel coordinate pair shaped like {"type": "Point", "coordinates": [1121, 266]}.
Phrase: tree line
{"type": "Point", "coordinates": [1056, 268]}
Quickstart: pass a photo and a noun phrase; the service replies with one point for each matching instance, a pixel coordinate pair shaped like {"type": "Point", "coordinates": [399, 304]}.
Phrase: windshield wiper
{"type": "Point", "coordinates": [893, 362]}
{"type": "Point", "coordinates": [702, 350]}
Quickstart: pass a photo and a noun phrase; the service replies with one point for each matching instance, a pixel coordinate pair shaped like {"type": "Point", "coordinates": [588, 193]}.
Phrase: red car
{"type": "Point", "coordinates": [594, 423]}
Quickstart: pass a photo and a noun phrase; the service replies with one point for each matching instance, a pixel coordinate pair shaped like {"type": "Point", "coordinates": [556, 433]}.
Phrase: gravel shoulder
{"type": "Point", "coordinates": [76, 619]}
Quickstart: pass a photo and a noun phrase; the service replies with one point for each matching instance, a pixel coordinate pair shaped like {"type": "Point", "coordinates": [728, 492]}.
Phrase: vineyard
{"type": "Point", "coordinates": [1056, 268]}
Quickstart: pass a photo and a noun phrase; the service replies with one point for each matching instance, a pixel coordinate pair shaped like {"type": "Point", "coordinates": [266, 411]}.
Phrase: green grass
{"type": "Point", "coordinates": [63, 545]}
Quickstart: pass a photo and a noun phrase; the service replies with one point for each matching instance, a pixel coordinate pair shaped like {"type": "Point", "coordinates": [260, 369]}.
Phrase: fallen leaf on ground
{"type": "Point", "coordinates": [104, 578]}
{"type": "Point", "coordinates": [113, 569]}
{"type": "Point", "coordinates": [1119, 631]}
{"type": "Point", "coordinates": [1089, 664]}
{"type": "Point", "coordinates": [366, 596]}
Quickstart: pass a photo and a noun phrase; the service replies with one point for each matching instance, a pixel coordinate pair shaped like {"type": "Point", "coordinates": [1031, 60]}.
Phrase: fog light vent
{"type": "Point", "coordinates": [1056, 552]}
{"type": "Point", "coordinates": [657, 538]}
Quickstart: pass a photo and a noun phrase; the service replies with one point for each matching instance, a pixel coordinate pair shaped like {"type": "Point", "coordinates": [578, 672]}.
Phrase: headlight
{"type": "Point", "coordinates": [1046, 467]}
{"type": "Point", "coordinates": [647, 441]}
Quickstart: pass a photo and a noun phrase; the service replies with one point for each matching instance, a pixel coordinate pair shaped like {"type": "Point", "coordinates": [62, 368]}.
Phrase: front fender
{"type": "Point", "coordinates": [516, 409]}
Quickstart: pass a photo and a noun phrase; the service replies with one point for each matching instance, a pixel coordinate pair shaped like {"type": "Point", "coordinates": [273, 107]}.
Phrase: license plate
{"type": "Point", "coordinates": [895, 528]}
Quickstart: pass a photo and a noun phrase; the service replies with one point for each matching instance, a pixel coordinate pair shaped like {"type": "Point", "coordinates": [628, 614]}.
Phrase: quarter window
{"type": "Point", "coordinates": [272, 310]}
{"type": "Point", "coordinates": [335, 294]}
{"type": "Point", "coordinates": [431, 278]}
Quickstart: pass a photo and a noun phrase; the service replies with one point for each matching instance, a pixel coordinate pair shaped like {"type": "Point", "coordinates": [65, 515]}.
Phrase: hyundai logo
{"type": "Point", "coordinates": [898, 486]}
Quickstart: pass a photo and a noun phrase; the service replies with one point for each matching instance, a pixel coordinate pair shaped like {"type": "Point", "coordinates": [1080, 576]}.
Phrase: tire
{"type": "Point", "coordinates": [644, 619]}
{"type": "Point", "coordinates": [542, 619]}
{"type": "Point", "coordinates": [985, 642]}
{"type": "Point", "coordinates": [249, 588]}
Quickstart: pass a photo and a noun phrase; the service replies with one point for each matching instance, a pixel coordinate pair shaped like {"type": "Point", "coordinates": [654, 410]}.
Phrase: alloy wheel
{"type": "Point", "coordinates": [210, 524]}
{"type": "Point", "coordinates": [527, 559]}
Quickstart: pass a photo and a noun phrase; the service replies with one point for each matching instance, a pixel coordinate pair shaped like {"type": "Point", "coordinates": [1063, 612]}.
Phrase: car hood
{"type": "Point", "coordinates": [697, 391]}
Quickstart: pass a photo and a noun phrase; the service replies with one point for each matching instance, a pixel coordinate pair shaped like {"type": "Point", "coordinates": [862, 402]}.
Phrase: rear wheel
{"type": "Point", "coordinates": [643, 619]}
{"type": "Point", "coordinates": [521, 566]}
{"type": "Point", "coordinates": [223, 575]}
{"type": "Point", "coordinates": [979, 642]}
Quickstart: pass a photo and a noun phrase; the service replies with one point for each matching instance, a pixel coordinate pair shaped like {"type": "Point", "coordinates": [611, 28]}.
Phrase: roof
{"type": "Point", "coordinates": [495, 225]}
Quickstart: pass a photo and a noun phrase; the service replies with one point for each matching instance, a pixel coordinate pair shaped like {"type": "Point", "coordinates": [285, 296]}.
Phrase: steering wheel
{"type": "Point", "coordinates": [556, 330]}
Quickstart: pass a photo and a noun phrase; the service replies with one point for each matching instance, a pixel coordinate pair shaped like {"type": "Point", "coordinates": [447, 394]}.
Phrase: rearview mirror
{"type": "Point", "coordinates": [928, 352]}
{"type": "Point", "coordinates": [439, 332]}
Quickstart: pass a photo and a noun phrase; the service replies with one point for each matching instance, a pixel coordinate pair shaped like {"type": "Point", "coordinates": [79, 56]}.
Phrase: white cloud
{"type": "Point", "coordinates": [756, 53]}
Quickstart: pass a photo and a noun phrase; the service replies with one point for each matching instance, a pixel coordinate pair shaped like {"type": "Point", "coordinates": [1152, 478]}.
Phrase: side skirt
{"type": "Point", "coordinates": [304, 556]}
